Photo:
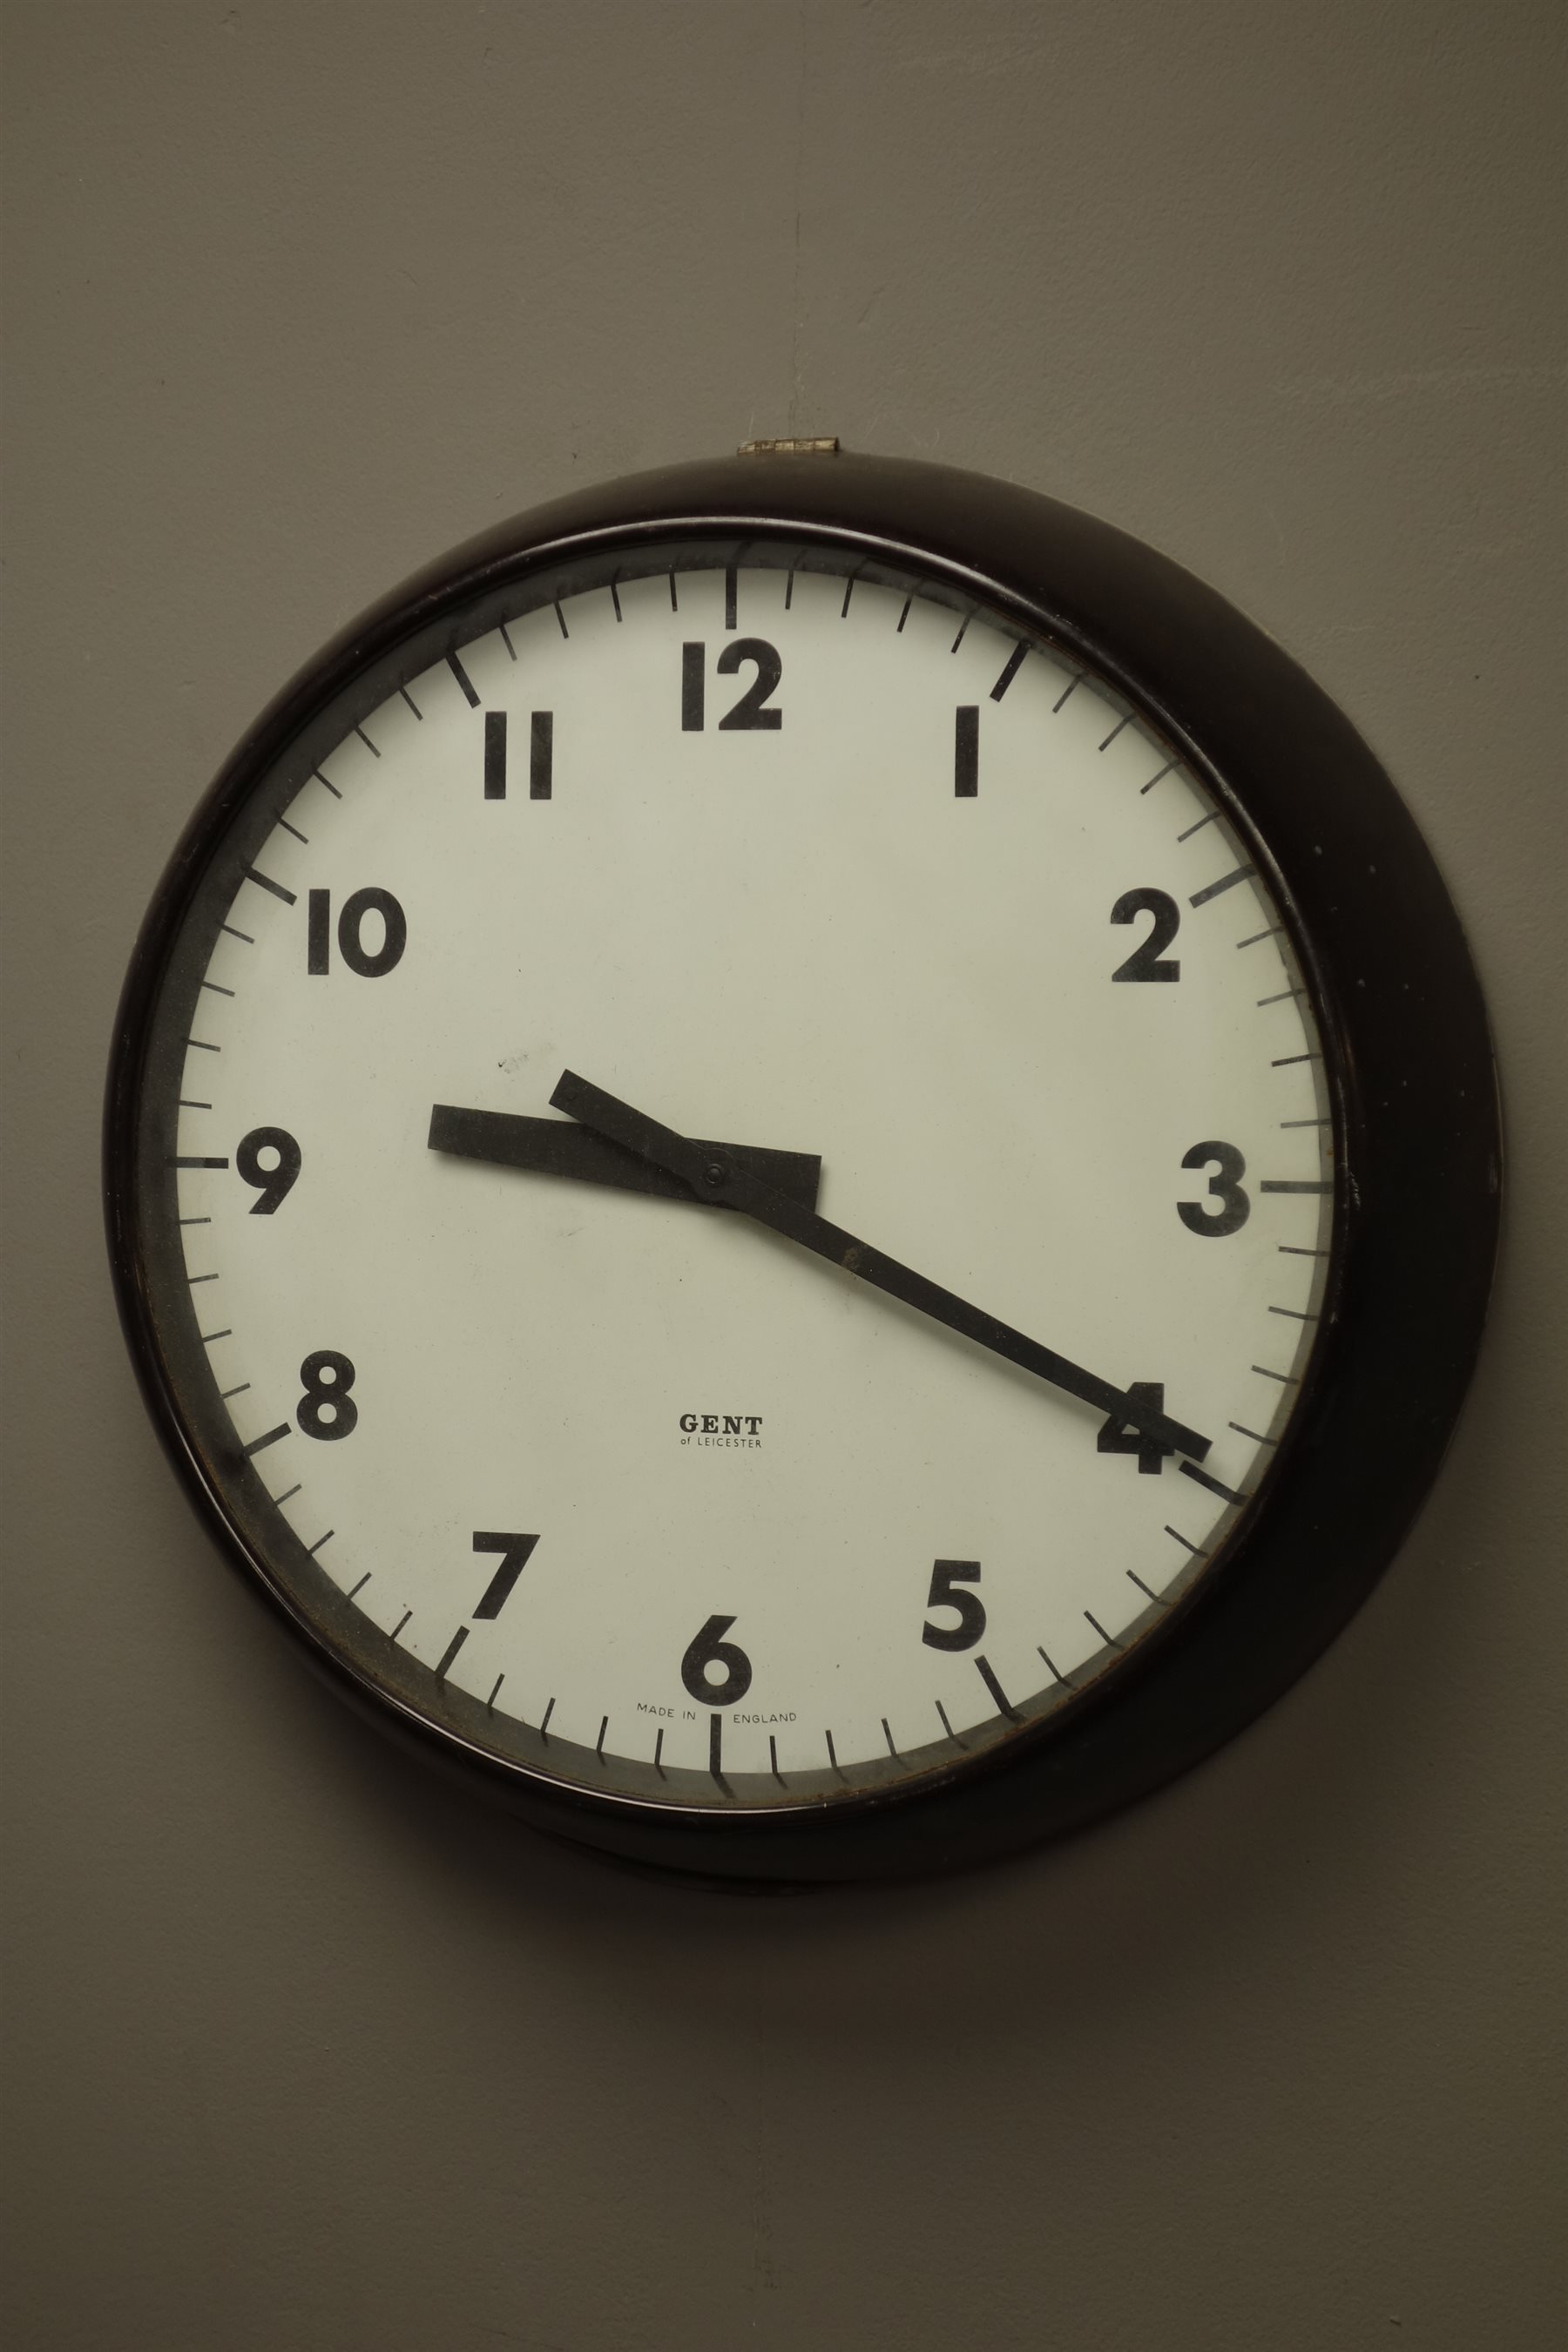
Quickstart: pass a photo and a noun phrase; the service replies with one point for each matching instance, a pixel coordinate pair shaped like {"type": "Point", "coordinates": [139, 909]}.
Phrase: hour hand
{"type": "Point", "coordinates": [560, 1147]}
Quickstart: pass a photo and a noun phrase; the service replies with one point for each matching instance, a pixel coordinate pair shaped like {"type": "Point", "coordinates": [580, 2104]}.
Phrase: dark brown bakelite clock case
{"type": "Point", "coordinates": [1408, 1074]}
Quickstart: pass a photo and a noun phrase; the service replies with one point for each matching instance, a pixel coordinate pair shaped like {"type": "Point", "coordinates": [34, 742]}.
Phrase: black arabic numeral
{"type": "Point", "coordinates": [516, 1552]}
{"type": "Point", "coordinates": [1234, 1206]}
{"type": "Point", "coordinates": [710, 1648]}
{"type": "Point", "coordinates": [1147, 961]}
{"type": "Point", "coordinates": [370, 963]}
{"type": "Point", "coordinates": [751, 711]}
{"type": "Point", "coordinates": [1120, 1437]}
{"type": "Point", "coordinates": [948, 1578]}
{"type": "Point", "coordinates": [274, 1184]}
{"type": "Point", "coordinates": [326, 1377]}
{"type": "Point", "coordinates": [692, 657]}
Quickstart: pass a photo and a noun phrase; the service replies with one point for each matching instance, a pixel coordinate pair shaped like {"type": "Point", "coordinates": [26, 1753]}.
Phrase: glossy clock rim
{"type": "Point", "coordinates": [1025, 556]}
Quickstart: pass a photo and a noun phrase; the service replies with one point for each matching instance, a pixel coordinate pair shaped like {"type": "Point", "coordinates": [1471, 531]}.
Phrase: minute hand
{"type": "Point", "coordinates": [716, 1177]}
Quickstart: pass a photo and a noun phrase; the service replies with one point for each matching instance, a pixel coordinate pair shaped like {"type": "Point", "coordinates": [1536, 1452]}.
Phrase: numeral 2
{"type": "Point", "coordinates": [1148, 961]}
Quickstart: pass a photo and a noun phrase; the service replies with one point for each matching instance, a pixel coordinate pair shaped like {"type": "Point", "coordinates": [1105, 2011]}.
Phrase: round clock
{"type": "Point", "coordinates": [803, 1159]}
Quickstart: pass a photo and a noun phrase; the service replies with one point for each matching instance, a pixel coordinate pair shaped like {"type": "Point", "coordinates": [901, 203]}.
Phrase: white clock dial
{"type": "Point", "coordinates": [639, 1492]}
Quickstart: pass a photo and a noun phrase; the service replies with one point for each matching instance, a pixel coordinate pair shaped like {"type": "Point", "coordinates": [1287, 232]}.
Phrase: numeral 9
{"type": "Point", "coordinates": [274, 1184]}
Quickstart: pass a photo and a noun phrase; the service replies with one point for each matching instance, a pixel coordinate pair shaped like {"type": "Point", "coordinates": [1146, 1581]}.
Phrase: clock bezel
{"type": "Point", "coordinates": [1405, 1043]}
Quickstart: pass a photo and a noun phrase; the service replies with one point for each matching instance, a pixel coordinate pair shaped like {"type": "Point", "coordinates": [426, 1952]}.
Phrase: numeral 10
{"type": "Point", "coordinates": [370, 963]}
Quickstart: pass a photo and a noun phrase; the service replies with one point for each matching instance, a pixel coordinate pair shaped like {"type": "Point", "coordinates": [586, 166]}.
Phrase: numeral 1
{"type": "Point", "coordinates": [967, 751]}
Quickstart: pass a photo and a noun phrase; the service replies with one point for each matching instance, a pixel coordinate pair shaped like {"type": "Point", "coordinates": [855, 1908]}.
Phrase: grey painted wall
{"type": "Point", "coordinates": [307, 2055]}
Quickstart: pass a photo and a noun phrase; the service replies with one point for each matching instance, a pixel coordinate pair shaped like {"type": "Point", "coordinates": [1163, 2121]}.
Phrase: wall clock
{"type": "Point", "coordinates": [802, 1158]}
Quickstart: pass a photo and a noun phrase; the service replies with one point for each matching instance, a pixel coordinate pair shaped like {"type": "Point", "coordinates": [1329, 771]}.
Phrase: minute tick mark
{"type": "Point", "coordinates": [1225, 882]}
{"type": "Point", "coordinates": [271, 1438]}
